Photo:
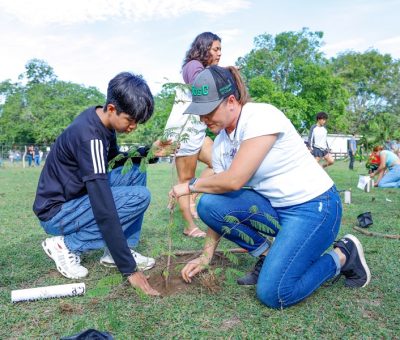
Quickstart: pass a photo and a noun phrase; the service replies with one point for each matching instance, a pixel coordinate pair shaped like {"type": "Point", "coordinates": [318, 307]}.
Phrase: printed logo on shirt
{"type": "Point", "coordinates": [96, 148]}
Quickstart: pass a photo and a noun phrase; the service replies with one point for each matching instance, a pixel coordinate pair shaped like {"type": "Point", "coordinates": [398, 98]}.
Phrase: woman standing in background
{"type": "Point", "coordinates": [204, 51]}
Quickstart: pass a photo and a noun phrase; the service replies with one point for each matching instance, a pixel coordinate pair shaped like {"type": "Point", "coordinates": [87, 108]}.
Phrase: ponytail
{"type": "Point", "coordinates": [242, 95]}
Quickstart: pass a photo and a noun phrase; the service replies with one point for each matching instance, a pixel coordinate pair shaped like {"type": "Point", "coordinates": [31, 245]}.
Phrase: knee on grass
{"type": "Point", "coordinates": [274, 297]}
{"type": "Point", "coordinates": [269, 296]}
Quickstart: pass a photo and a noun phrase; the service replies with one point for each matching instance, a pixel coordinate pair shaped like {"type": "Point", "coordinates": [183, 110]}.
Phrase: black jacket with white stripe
{"type": "Point", "coordinates": [76, 166]}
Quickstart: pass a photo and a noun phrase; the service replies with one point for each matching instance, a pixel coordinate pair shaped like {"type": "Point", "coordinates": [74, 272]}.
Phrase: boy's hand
{"type": "Point", "coordinates": [139, 281]}
{"type": "Point", "coordinates": [164, 148]}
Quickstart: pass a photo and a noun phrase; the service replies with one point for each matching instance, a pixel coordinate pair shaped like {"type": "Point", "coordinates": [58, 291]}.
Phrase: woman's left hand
{"type": "Point", "coordinates": [194, 267]}
{"type": "Point", "coordinates": [179, 190]}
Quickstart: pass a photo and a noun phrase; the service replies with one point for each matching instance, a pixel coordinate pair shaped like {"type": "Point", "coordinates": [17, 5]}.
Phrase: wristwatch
{"type": "Point", "coordinates": [192, 182]}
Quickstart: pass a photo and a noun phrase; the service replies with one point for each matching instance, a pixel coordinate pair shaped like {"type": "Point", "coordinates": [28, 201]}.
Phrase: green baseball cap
{"type": "Point", "coordinates": [210, 88]}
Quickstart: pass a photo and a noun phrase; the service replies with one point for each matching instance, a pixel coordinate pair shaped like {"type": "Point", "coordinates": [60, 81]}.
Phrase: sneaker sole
{"type": "Point", "coordinates": [112, 265]}
{"type": "Point", "coordinates": [361, 255]}
{"type": "Point", "coordinates": [48, 253]}
{"type": "Point", "coordinates": [107, 264]}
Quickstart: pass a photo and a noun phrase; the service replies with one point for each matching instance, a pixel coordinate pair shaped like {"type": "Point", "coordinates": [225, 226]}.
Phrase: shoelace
{"type": "Point", "coordinates": [74, 258]}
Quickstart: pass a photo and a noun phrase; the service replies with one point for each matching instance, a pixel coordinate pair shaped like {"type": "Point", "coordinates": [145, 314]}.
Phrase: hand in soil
{"type": "Point", "coordinates": [139, 281]}
{"type": "Point", "coordinates": [194, 267]}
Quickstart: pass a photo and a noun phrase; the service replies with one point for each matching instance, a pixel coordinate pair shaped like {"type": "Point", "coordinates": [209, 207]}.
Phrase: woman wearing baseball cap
{"type": "Point", "coordinates": [267, 184]}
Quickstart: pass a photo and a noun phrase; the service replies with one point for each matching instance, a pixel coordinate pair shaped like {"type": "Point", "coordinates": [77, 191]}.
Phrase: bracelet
{"type": "Point", "coordinates": [192, 183]}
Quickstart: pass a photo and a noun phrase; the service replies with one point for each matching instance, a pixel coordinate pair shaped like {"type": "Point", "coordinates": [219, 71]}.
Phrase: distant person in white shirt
{"type": "Point", "coordinates": [317, 140]}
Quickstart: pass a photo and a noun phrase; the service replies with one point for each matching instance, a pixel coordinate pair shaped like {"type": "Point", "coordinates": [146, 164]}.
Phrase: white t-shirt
{"type": "Point", "coordinates": [289, 174]}
{"type": "Point", "coordinates": [319, 137]}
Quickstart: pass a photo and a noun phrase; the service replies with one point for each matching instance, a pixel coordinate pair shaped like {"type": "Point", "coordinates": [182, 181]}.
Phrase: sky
{"type": "Point", "coordinates": [89, 41]}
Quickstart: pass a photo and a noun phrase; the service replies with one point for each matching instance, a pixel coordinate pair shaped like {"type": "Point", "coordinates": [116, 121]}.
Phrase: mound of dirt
{"type": "Point", "coordinates": [176, 285]}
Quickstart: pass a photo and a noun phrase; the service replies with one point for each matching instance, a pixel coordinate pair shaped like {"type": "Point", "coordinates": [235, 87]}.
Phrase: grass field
{"type": "Point", "coordinates": [230, 311]}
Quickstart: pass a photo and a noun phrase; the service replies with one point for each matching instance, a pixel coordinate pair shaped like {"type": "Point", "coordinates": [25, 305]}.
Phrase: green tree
{"type": "Point", "coordinates": [38, 111]}
{"type": "Point", "coordinates": [38, 71]}
{"type": "Point", "coordinates": [54, 105]}
{"type": "Point", "coordinates": [290, 72]}
{"type": "Point", "coordinates": [373, 82]}
{"type": "Point", "coordinates": [14, 118]}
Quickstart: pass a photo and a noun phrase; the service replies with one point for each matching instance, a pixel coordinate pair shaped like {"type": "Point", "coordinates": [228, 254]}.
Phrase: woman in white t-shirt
{"type": "Point", "coordinates": [266, 183]}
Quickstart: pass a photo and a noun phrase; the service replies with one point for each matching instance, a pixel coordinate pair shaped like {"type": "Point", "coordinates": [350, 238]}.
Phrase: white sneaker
{"type": "Point", "coordinates": [67, 263]}
{"type": "Point", "coordinates": [143, 262]}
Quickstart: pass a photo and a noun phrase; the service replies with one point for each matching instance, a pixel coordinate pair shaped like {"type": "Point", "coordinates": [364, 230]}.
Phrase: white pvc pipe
{"type": "Point", "coordinates": [31, 294]}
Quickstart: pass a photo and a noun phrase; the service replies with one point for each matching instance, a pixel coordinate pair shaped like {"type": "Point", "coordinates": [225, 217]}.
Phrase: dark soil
{"type": "Point", "coordinates": [176, 285]}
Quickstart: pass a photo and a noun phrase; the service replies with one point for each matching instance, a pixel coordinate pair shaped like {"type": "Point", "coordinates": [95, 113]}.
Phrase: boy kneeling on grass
{"type": "Point", "coordinates": [84, 206]}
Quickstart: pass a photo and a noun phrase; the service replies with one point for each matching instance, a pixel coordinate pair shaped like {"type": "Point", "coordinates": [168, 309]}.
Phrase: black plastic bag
{"type": "Point", "coordinates": [365, 220]}
{"type": "Point", "coordinates": [90, 334]}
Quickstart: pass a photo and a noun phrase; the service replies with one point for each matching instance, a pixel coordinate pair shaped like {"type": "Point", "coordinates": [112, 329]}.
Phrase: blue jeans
{"type": "Point", "coordinates": [30, 158]}
{"type": "Point", "coordinates": [76, 222]}
{"type": "Point", "coordinates": [391, 179]}
{"type": "Point", "coordinates": [296, 264]}
{"type": "Point", "coordinates": [257, 218]}
{"type": "Point", "coordinates": [36, 158]}
{"type": "Point", "coordinates": [351, 162]}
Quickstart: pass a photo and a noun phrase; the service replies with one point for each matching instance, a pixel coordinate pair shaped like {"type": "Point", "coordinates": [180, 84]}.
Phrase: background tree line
{"type": "Point", "coordinates": [359, 91]}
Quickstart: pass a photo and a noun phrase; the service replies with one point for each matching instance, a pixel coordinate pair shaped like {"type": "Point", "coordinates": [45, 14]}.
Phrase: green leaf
{"type": "Point", "coordinates": [127, 166]}
{"type": "Point", "coordinates": [253, 209]}
{"type": "Point", "coordinates": [226, 230]}
{"type": "Point", "coordinates": [246, 238]}
{"type": "Point", "coordinates": [231, 219]}
{"type": "Point", "coordinates": [273, 221]}
{"type": "Point", "coordinates": [260, 226]}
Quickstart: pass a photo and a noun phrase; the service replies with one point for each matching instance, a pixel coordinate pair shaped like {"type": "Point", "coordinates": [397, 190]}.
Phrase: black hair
{"type": "Point", "coordinates": [130, 94]}
{"type": "Point", "coordinates": [200, 47]}
{"type": "Point", "coordinates": [322, 115]}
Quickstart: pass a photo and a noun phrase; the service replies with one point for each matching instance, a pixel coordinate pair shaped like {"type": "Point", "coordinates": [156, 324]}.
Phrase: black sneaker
{"type": "Point", "coordinates": [251, 278]}
{"type": "Point", "coordinates": [355, 268]}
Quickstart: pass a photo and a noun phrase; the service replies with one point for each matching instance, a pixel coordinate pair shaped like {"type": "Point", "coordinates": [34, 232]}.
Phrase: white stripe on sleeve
{"type": "Point", "coordinates": [96, 148]}
{"type": "Point", "coordinates": [93, 155]}
{"type": "Point", "coordinates": [98, 155]}
{"type": "Point", "coordinates": [102, 157]}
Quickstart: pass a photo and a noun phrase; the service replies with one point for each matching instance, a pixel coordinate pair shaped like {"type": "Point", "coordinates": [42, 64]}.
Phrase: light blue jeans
{"type": "Point", "coordinates": [391, 179]}
{"type": "Point", "coordinates": [296, 264]}
{"type": "Point", "coordinates": [76, 222]}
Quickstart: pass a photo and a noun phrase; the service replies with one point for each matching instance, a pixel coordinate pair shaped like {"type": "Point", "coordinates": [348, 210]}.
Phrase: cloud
{"type": "Point", "coordinates": [390, 41]}
{"type": "Point", "coordinates": [229, 35]}
{"type": "Point", "coordinates": [390, 45]}
{"type": "Point", "coordinates": [332, 49]}
{"type": "Point", "coordinates": [42, 12]}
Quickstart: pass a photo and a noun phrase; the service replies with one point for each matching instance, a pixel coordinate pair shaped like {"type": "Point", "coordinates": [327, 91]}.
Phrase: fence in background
{"type": "Point", "coordinates": [15, 153]}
